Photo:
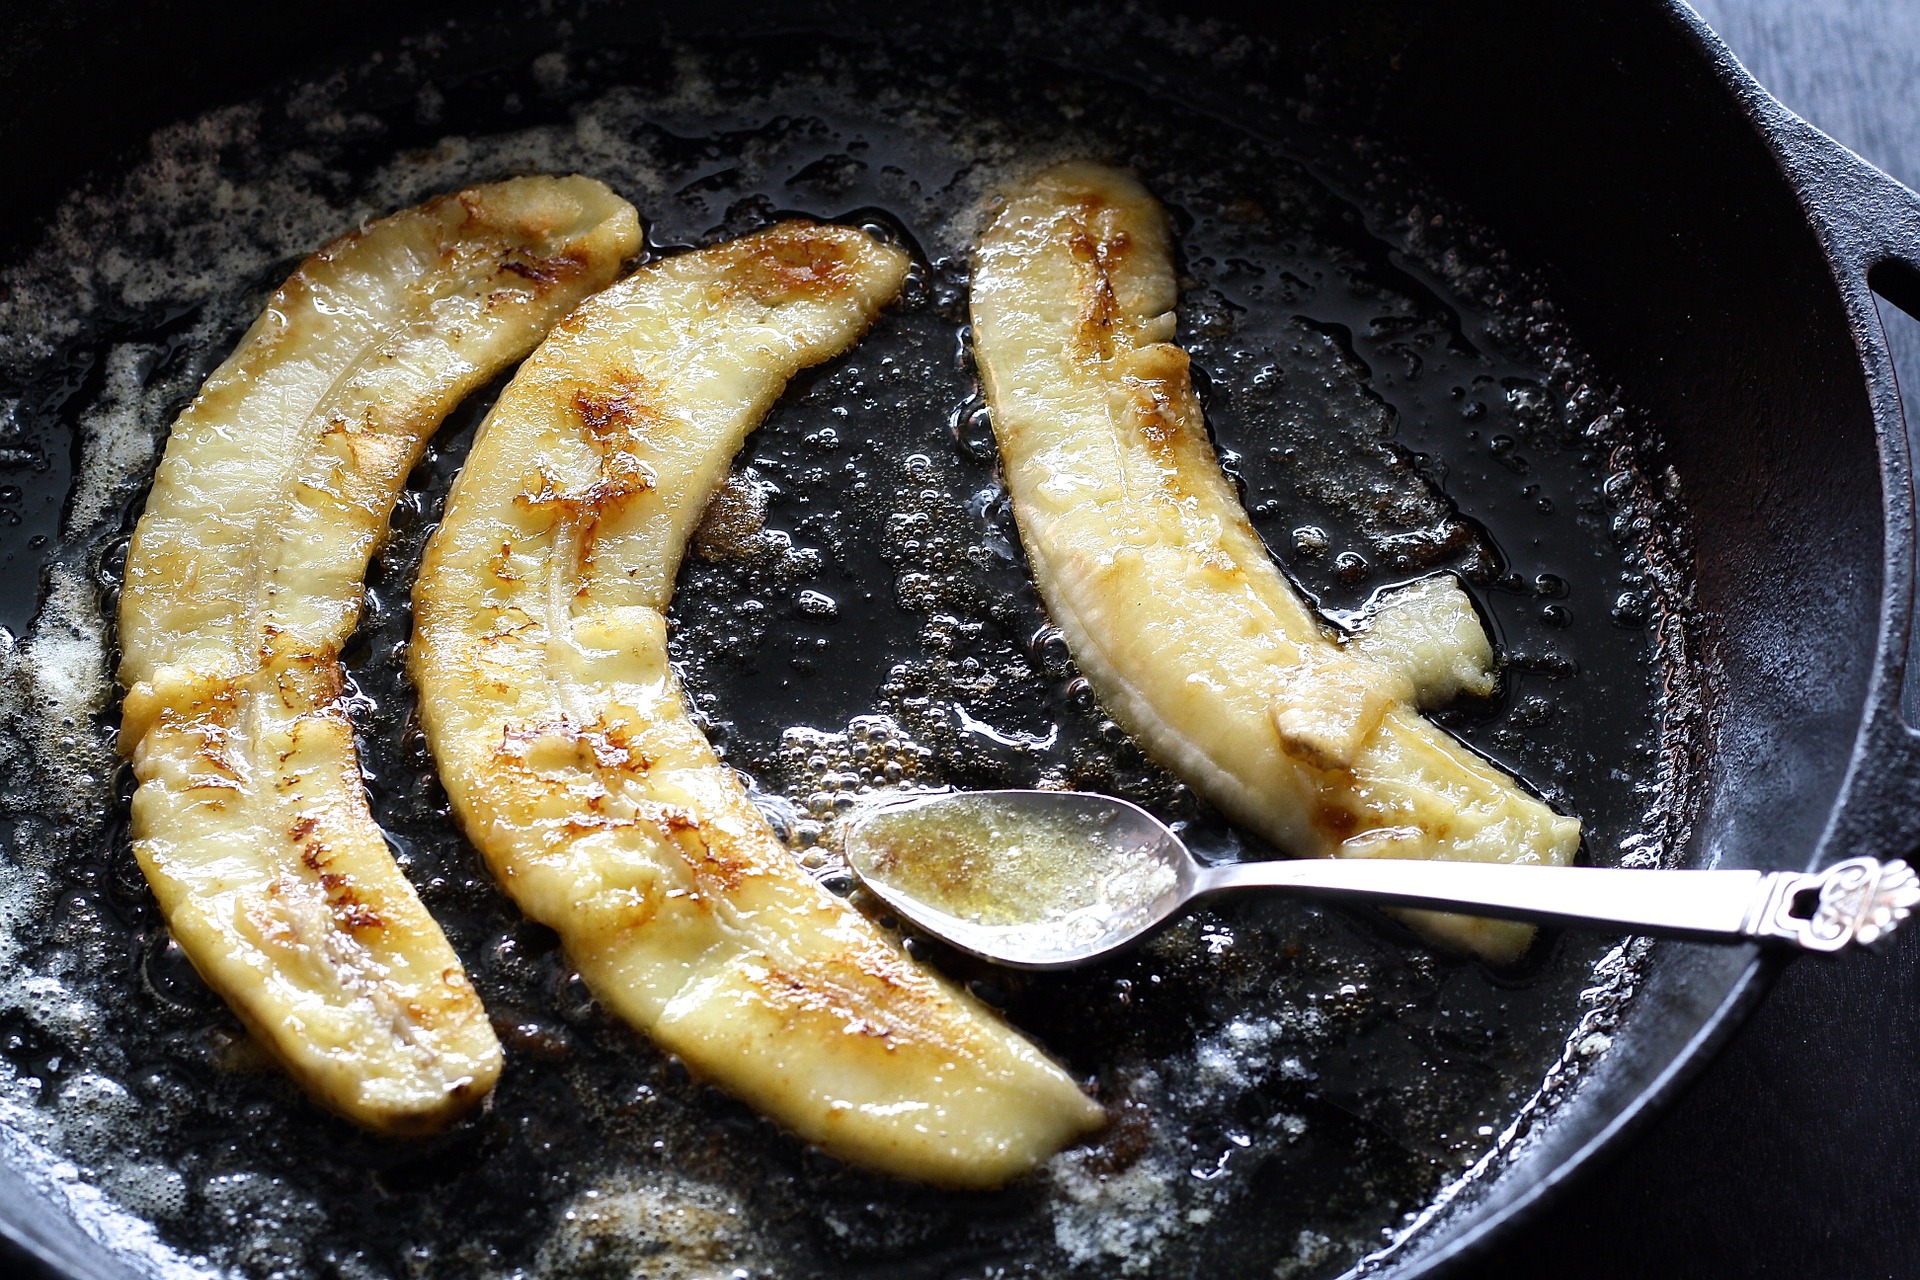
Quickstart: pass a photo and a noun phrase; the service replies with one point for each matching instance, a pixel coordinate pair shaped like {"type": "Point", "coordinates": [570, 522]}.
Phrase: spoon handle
{"type": "Point", "coordinates": [1859, 900]}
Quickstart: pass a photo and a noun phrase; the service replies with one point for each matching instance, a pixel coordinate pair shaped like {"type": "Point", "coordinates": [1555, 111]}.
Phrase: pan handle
{"type": "Point", "coordinates": [1870, 224]}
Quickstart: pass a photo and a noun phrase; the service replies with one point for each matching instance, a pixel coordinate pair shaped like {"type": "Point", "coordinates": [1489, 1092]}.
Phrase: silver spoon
{"type": "Point", "coordinates": [1053, 879]}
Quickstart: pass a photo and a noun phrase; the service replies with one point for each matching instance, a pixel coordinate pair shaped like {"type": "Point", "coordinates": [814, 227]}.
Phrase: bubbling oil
{"type": "Point", "coordinates": [1289, 1083]}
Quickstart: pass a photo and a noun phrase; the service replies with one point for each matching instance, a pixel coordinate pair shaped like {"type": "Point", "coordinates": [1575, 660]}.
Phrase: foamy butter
{"type": "Point", "coordinates": [1028, 876]}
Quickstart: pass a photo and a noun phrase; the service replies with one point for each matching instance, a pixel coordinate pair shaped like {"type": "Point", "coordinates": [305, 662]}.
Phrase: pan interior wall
{"type": "Point", "coordinates": [1292, 1086]}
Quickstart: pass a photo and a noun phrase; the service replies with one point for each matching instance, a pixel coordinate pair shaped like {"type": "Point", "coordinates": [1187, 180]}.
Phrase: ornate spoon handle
{"type": "Point", "coordinates": [1859, 900]}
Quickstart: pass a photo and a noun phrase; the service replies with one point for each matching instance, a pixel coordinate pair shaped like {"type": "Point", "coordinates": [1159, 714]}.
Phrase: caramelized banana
{"type": "Point", "coordinates": [1193, 639]}
{"type": "Point", "coordinates": [564, 742]}
{"type": "Point", "coordinates": [243, 582]}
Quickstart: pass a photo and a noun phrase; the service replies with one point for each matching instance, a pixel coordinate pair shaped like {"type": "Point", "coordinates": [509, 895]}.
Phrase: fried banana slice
{"type": "Point", "coordinates": [244, 579]}
{"type": "Point", "coordinates": [562, 737]}
{"type": "Point", "coordinates": [1193, 639]}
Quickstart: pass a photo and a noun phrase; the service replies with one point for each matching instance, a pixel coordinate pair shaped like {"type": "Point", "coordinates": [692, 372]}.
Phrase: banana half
{"type": "Point", "coordinates": [244, 580]}
{"type": "Point", "coordinates": [541, 657]}
{"type": "Point", "coordinates": [1193, 639]}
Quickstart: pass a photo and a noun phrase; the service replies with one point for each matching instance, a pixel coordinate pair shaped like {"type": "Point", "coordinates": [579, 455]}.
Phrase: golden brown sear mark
{"type": "Point", "coordinates": [1096, 258]}
{"type": "Point", "coordinates": [619, 411]}
{"type": "Point", "coordinates": [354, 915]}
{"type": "Point", "coordinates": [1336, 820]}
{"type": "Point", "coordinates": [718, 869]}
{"type": "Point", "coordinates": [542, 272]}
{"type": "Point", "coordinates": [608, 753]}
{"type": "Point", "coordinates": [352, 911]}
{"type": "Point", "coordinates": [607, 745]}
{"type": "Point", "coordinates": [616, 414]}
{"type": "Point", "coordinates": [791, 259]}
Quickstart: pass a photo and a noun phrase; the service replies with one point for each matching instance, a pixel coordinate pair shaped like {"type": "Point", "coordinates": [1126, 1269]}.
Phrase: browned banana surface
{"type": "Point", "coordinates": [243, 582]}
{"type": "Point", "coordinates": [565, 745]}
{"type": "Point", "coordinates": [1193, 639]}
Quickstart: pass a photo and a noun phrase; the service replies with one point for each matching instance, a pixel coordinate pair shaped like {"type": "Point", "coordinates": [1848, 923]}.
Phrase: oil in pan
{"type": "Point", "coordinates": [1292, 1086]}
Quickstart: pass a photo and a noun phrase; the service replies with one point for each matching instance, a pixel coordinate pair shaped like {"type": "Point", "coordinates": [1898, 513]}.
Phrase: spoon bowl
{"type": "Point", "coordinates": [1029, 879]}
{"type": "Point", "coordinates": [1055, 879]}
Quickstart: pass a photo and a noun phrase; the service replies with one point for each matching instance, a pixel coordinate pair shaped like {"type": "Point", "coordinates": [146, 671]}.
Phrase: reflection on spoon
{"type": "Point", "coordinates": [1053, 879]}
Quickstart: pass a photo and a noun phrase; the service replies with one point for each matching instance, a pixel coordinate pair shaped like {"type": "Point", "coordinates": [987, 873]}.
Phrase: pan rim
{"type": "Point", "coordinates": [1798, 151]}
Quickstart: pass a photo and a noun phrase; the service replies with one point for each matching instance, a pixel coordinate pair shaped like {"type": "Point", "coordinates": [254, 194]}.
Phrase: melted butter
{"type": "Point", "coordinates": [987, 862]}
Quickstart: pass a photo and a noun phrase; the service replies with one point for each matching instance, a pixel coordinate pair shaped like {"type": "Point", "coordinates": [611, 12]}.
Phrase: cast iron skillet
{"type": "Point", "coordinates": [1715, 253]}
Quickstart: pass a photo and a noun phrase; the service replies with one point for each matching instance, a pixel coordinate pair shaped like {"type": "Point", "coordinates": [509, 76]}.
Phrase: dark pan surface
{"type": "Point", "coordinates": [1293, 1086]}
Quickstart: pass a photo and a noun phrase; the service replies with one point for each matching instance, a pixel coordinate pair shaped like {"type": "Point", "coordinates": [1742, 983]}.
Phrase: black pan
{"type": "Point", "coordinates": [1704, 265]}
